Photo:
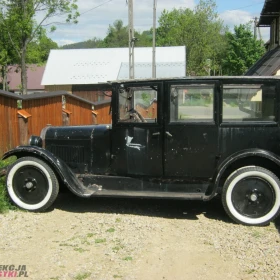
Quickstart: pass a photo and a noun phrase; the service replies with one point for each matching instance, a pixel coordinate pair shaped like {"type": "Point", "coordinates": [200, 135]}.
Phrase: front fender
{"type": "Point", "coordinates": [58, 165]}
{"type": "Point", "coordinates": [233, 158]}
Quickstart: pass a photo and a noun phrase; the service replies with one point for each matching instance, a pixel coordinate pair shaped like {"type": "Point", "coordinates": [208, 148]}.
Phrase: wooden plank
{"type": "Point", "coordinates": [24, 114]}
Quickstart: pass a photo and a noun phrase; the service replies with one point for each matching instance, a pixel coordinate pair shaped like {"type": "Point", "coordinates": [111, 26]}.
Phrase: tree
{"type": "Point", "coordinates": [89, 44]}
{"type": "Point", "coordinates": [38, 50]}
{"type": "Point", "coordinates": [5, 54]}
{"type": "Point", "coordinates": [243, 50]}
{"type": "Point", "coordinates": [117, 36]}
{"type": "Point", "coordinates": [22, 28]}
{"type": "Point", "coordinates": [200, 30]}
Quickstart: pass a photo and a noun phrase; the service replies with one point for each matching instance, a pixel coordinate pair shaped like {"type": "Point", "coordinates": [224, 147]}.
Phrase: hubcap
{"type": "Point", "coordinates": [30, 184]}
{"type": "Point", "coordinates": [253, 197]}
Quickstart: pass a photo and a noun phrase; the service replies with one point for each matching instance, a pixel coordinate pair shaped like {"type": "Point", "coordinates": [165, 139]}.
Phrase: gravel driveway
{"type": "Point", "coordinates": [106, 238]}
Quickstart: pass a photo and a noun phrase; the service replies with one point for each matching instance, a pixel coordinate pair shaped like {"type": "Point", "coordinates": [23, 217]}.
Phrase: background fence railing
{"type": "Point", "coordinates": [23, 116]}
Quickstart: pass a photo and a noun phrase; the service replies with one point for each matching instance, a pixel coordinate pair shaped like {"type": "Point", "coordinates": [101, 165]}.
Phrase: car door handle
{"type": "Point", "coordinates": [168, 133]}
{"type": "Point", "coordinates": [156, 134]}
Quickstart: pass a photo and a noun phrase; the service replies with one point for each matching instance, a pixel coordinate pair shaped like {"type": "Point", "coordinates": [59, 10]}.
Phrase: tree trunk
{"type": "Point", "coordinates": [4, 77]}
{"type": "Point", "coordinates": [23, 70]}
{"type": "Point", "coordinates": [24, 41]}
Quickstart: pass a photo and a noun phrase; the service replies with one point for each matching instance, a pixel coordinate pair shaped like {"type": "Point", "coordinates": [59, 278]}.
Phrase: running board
{"type": "Point", "coordinates": [98, 185]}
{"type": "Point", "coordinates": [150, 194]}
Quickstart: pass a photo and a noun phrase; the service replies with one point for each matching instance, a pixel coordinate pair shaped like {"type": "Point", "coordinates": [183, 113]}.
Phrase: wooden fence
{"type": "Point", "coordinates": [9, 128]}
{"type": "Point", "coordinates": [40, 110]}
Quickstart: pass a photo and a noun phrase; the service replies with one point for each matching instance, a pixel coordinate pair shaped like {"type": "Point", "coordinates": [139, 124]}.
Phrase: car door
{"type": "Point", "coordinates": [191, 129]}
{"type": "Point", "coordinates": [137, 129]}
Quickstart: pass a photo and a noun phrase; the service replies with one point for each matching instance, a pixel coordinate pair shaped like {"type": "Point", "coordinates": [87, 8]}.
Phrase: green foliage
{"type": "Point", "coordinates": [38, 50]}
{"type": "Point", "coordinates": [200, 30]}
{"type": "Point", "coordinates": [7, 54]}
{"type": "Point", "coordinates": [82, 276]}
{"type": "Point", "coordinates": [128, 258]}
{"type": "Point", "coordinates": [110, 230]}
{"type": "Point", "coordinates": [117, 37]}
{"type": "Point", "coordinates": [18, 18]}
{"type": "Point", "coordinates": [89, 44]}
{"type": "Point", "coordinates": [100, 240]}
{"type": "Point", "coordinates": [243, 50]}
{"type": "Point", "coordinates": [5, 204]}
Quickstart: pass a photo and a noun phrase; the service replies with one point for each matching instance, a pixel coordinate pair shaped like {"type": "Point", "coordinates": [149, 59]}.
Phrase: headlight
{"type": "Point", "coordinates": [35, 141]}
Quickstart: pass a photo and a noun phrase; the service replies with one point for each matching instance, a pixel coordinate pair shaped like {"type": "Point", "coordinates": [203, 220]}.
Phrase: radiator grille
{"type": "Point", "coordinates": [69, 154]}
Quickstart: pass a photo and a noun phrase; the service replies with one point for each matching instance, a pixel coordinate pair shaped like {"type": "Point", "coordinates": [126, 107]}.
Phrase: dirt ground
{"type": "Point", "coordinates": [106, 238]}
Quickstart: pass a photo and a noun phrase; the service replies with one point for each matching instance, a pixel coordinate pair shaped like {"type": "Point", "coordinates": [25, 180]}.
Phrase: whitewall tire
{"type": "Point", "coordinates": [31, 184]}
{"type": "Point", "coordinates": [251, 196]}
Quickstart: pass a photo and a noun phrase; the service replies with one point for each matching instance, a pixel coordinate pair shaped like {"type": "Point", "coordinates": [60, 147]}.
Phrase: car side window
{"type": "Point", "coordinates": [191, 103]}
{"type": "Point", "coordinates": [138, 104]}
{"type": "Point", "coordinates": [242, 102]}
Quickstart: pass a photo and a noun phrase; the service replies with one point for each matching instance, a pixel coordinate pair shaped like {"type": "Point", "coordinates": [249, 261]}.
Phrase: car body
{"type": "Point", "coordinates": [183, 138]}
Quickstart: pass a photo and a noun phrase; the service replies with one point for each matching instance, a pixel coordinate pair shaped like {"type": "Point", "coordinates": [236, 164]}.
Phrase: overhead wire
{"type": "Point", "coordinates": [96, 7]}
{"type": "Point", "coordinates": [257, 3]}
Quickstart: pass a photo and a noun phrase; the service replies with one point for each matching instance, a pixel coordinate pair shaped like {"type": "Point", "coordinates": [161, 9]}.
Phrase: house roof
{"type": "Point", "coordinates": [271, 10]}
{"type": "Point", "coordinates": [34, 77]}
{"type": "Point", "coordinates": [268, 65]}
{"type": "Point", "coordinates": [93, 66]}
{"type": "Point", "coordinates": [143, 70]}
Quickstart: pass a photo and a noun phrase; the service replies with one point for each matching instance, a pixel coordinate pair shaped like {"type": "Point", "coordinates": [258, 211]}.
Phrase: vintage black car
{"type": "Point", "coordinates": [186, 138]}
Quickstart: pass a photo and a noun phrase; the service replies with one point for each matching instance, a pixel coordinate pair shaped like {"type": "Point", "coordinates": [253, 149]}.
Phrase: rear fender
{"type": "Point", "coordinates": [231, 160]}
{"type": "Point", "coordinates": [59, 167]}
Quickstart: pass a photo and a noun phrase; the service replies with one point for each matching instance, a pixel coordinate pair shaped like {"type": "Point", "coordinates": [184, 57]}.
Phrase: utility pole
{"type": "Point", "coordinates": [255, 27]}
{"type": "Point", "coordinates": [131, 39]}
{"type": "Point", "coordinates": [154, 41]}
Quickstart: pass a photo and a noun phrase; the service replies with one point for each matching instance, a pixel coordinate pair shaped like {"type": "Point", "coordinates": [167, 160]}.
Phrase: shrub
{"type": "Point", "coordinates": [5, 204]}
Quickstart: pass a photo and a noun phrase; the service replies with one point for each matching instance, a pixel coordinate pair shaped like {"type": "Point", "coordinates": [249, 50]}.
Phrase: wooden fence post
{"type": "Point", "coordinates": [23, 126]}
{"type": "Point", "coordinates": [94, 117]}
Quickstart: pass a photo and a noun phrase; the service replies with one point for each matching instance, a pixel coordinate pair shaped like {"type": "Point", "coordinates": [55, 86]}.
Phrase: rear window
{"type": "Point", "coordinates": [248, 102]}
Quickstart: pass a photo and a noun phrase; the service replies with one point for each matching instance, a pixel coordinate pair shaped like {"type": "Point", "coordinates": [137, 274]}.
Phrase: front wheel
{"type": "Point", "coordinates": [251, 196]}
{"type": "Point", "coordinates": [32, 184]}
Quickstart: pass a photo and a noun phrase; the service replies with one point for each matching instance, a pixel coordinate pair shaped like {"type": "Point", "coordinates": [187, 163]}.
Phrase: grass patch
{"type": "Point", "coordinates": [256, 234]}
{"type": "Point", "coordinates": [116, 249]}
{"type": "Point", "coordinates": [68, 245]}
{"type": "Point", "coordinates": [128, 258]}
{"type": "Point", "coordinates": [250, 271]}
{"type": "Point", "coordinates": [80, 250]}
{"type": "Point", "coordinates": [117, 276]}
{"type": "Point", "coordinates": [82, 276]}
{"type": "Point", "coordinates": [110, 230]}
{"type": "Point", "coordinates": [5, 204]}
{"type": "Point", "coordinates": [100, 240]}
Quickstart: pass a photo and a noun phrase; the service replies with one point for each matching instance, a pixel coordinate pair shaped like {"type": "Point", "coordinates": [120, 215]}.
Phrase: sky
{"type": "Point", "coordinates": [97, 15]}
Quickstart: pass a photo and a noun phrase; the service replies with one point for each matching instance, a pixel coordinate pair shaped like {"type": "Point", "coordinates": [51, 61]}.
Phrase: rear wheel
{"type": "Point", "coordinates": [32, 184]}
{"type": "Point", "coordinates": [251, 196]}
